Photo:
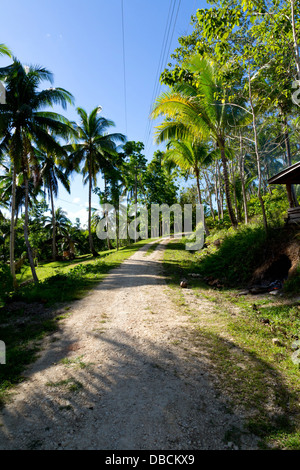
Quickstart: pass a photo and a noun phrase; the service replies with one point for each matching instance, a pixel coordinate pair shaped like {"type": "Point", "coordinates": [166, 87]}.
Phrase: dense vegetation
{"type": "Point", "coordinates": [229, 121]}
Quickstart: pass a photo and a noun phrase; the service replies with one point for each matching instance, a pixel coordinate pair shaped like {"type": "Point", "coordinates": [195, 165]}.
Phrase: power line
{"type": "Point", "coordinates": [169, 19]}
{"type": "Point", "coordinates": [124, 64]}
{"type": "Point", "coordinates": [163, 59]}
{"type": "Point", "coordinates": [194, 7]}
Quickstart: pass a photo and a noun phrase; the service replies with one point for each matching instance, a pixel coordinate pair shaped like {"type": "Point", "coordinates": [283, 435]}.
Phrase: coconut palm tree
{"type": "Point", "coordinates": [93, 152]}
{"type": "Point", "coordinates": [190, 157]}
{"type": "Point", "coordinates": [62, 223]}
{"type": "Point", "coordinates": [23, 123]}
{"type": "Point", "coordinates": [4, 50]}
{"type": "Point", "coordinates": [52, 173]}
{"type": "Point", "coordinates": [199, 111]}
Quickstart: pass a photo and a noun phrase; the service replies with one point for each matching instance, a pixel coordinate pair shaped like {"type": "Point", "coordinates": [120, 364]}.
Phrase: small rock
{"type": "Point", "coordinates": [244, 292]}
{"type": "Point", "coordinates": [296, 357]}
{"type": "Point", "coordinates": [295, 345]}
{"type": "Point", "coordinates": [275, 292]}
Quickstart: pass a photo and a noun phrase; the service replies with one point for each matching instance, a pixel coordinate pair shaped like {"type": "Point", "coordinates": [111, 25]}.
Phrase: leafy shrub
{"type": "Point", "coordinates": [241, 251]}
{"type": "Point", "coordinates": [276, 205]}
{"type": "Point", "coordinates": [6, 281]}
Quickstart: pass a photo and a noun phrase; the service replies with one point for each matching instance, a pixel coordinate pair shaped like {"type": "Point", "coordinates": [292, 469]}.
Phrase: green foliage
{"type": "Point", "coordinates": [276, 206]}
{"type": "Point", "coordinates": [292, 285]}
{"type": "Point", "coordinates": [6, 281]}
{"type": "Point", "coordinates": [246, 243]}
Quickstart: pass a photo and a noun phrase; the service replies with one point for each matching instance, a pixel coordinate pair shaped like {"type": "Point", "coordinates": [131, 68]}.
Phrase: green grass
{"type": "Point", "coordinates": [61, 282]}
{"type": "Point", "coordinates": [48, 269]}
{"type": "Point", "coordinates": [69, 385]}
{"type": "Point", "coordinates": [237, 333]}
{"type": "Point", "coordinates": [152, 248]}
{"type": "Point", "coordinates": [29, 314]}
{"type": "Point", "coordinates": [239, 252]}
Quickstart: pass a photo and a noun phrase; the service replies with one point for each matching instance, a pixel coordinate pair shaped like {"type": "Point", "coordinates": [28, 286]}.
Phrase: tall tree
{"type": "Point", "coordinates": [94, 152]}
{"type": "Point", "coordinates": [23, 123]}
{"type": "Point", "coordinates": [191, 157]}
{"type": "Point", "coordinates": [53, 173]}
{"type": "Point", "coordinates": [200, 111]}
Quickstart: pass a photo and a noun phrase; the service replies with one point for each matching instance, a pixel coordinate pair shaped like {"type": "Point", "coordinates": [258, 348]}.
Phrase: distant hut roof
{"type": "Point", "coordinates": [290, 175]}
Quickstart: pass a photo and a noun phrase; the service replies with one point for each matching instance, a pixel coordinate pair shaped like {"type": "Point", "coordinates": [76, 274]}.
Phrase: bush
{"type": "Point", "coordinates": [240, 252]}
{"type": "Point", "coordinates": [276, 205]}
{"type": "Point", "coordinates": [6, 281]}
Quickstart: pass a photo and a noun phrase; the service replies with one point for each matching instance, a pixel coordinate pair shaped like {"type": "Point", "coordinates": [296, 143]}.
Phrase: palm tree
{"type": "Point", "coordinates": [4, 50]}
{"type": "Point", "coordinates": [61, 225]}
{"type": "Point", "coordinates": [95, 152]}
{"type": "Point", "coordinates": [6, 183]}
{"type": "Point", "coordinates": [190, 157]}
{"type": "Point", "coordinates": [23, 123]}
{"type": "Point", "coordinates": [53, 173]}
{"type": "Point", "coordinates": [199, 111]}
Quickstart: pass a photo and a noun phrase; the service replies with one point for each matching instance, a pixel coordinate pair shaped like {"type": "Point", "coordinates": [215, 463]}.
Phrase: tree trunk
{"type": "Point", "coordinates": [234, 193]}
{"type": "Point", "coordinates": [257, 159]}
{"type": "Point", "coordinates": [200, 202]}
{"type": "Point", "coordinates": [221, 198]}
{"type": "Point", "coordinates": [217, 191]}
{"type": "Point", "coordinates": [242, 175]}
{"type": "Point", "coordinates": [135, 202]}
{"type": "Point", "coordinates": [92, 249]}
{"type": "Point", "coordinates": [12, 230]}
{"type": "Point", "coordinates": [54, 254]}
{"type": "Point", "coordinates": [209, 196]}
{"type": "Point", "coordinates": [117, 228]}
{"type": "Point", "coordinates": [226, 183]}
{"type": "Point", "coordinates": [26, 236]}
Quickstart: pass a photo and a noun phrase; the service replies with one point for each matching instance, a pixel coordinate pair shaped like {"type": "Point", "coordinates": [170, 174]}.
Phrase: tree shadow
{"type": "Point", "coordinates": [145, 396]}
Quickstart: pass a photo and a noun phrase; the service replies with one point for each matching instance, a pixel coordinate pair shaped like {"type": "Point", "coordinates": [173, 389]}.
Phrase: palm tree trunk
{"type": "Point", "coordinates": [200, 201]}
{"type": "Point", "coordinates": [12, 230]}
{"type": "Point", "coordinates": [226, 183]}
{"type": "Point", "coordinates": [53, 223]}
{"type": "Point", "coordinates": [92, 249]}
{"type": "Point", "coordinates": [28, 246]}
{"type": "Point", "coordinates": [135, 202]}
{"type": "Point", "coordinates": [209, 196]}
{"type": "Point", "coordinates": [217, 191]}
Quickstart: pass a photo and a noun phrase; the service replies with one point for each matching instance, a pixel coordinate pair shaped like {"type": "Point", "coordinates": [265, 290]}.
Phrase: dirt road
{"type": "Point", "coordinates": [116, 376]}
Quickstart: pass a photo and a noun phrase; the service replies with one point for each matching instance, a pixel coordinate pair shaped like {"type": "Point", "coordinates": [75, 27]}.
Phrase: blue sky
{"type": "Point", "coordinates": [81, 43]}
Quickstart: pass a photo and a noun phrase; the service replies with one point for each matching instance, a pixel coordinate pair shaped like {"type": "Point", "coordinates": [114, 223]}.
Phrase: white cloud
{"type": "Point", "coordinates": [81, 214]}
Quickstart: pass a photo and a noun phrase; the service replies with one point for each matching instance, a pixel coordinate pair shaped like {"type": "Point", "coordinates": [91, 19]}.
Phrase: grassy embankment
{"type": "Point", "coordinates": [31, 312]}
{"type": "Point", "coordinates": [238, 332]}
